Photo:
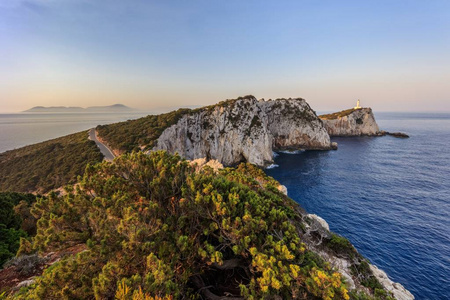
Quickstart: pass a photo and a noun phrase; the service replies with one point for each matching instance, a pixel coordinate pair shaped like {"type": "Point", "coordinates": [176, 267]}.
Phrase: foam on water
{"type": "Point", "coordinates": [272, 166]}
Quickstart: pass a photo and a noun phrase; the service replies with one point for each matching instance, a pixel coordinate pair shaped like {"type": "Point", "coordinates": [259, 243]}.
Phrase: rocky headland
{"type": "Point", "coordinates": [355, 122]}
{"type": "Point", "coordinates": [245, 130]}
{"type": "Point", "coordinates": [351, 122]}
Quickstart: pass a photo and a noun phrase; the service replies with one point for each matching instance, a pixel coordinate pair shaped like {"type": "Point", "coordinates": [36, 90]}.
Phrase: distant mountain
{"type": "Point", "coordinates": [75, 109]}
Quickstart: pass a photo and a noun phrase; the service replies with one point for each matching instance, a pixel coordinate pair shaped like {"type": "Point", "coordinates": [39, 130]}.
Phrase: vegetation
{"type": "Point", "coordinates": [337, 115]}
{"type": "Point", "coordinates": [47, 165]}
{"type": "Point", "coordinates": [15, 222]}
{"type": "Point", "coordinates": [132, 134]}
{"type": "Point", "coordinates": [156, 229]}
{"type": "Point", "coordinates": [226, 103]}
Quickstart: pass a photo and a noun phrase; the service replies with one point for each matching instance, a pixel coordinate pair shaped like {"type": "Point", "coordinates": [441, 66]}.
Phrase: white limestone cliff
{"type": "Point", "coordinates": [352, 122]}
{"type": "Point", "coordinates": [245, 129]}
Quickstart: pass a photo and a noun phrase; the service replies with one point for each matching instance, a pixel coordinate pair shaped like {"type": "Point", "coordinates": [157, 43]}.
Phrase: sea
{"type": "Point", "coordinates": [21, 129]}
{"type": "Point", "coordinates": [389, 196]}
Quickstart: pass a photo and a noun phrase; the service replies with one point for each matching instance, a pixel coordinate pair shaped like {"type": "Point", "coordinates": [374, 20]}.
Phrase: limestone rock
{"type": "Point", "coordinates": [283, 189]}
{"type": "Point", "coordinates": [353, 122]}
{"type": "Point", "coordinates": [399, 292]}
{"type": "Point", "coordinates": [319, 220]}
{"type": "Point", "coordinates": [245, 130]}
{"type": "Point", "coordinates": [200, 163]}
{"type": "Point", "coordinates": [294, 125]}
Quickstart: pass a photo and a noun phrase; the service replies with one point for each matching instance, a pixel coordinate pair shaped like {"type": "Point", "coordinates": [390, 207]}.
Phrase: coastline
{"type": "Point", "coordinates": [344, 265]}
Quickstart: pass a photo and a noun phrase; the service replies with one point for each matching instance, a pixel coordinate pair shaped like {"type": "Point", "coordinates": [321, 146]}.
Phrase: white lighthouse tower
{"type": "Point", "coordinates": [357, 105]}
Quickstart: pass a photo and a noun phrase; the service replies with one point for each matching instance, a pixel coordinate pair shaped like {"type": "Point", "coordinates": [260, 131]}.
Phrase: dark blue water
{"type": "Point", "coordinates": [390, 197]}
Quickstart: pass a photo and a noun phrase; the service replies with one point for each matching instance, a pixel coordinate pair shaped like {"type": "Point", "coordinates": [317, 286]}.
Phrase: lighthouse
{"type": "Point", "coordinates": [357, 105]}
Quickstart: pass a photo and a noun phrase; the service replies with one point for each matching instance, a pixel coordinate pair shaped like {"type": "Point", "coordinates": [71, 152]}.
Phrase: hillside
{"type": "Point", "coordinates": [154, 228]}
{"type": "Point", "coordinates": [140, 133]}
{"type": "Point", "coordinates": [47, 165]}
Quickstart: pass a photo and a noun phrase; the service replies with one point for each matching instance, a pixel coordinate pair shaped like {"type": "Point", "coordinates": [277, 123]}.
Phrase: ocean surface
{"type": "Point", "coordinates": [390, 197]}
{"type": "Point", "coordinates": [21, 129]}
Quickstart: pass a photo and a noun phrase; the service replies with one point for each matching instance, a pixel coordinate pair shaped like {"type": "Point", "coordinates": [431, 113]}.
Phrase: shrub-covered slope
{"type": "Point", "coordinates": [15, 222]}
{"type": "Point", "coordinates": [130, 135]}
{"type": "Point", "coordinates": [47, 165]}
{"type": "Point", "coordinates": [337, 115]}
{"type": "Point", "coordinates": [156, 229]}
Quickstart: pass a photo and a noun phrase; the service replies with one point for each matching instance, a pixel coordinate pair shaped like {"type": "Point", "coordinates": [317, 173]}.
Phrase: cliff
{"type": "Point", "coordinates": [351, 122]}
{"type": "Point", "coordinates": [245, 129]}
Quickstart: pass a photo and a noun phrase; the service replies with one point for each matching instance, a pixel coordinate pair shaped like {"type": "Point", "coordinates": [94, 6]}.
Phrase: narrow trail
{"type": "Point", "coordinates": [107, 153]}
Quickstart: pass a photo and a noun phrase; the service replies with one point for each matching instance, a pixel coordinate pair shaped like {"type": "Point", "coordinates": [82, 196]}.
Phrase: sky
{"type": "Point", "coordinates": [393, 55]}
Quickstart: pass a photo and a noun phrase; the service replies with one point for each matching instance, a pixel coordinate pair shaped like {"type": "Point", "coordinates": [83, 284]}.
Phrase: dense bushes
{"type": "Point", "coordinates": [14, 225]}
{"type": "Point", "coordinates": [337, 115]}
{"type": "Point", "coordinates": [155, 228]}
{"type": "Point", "coordinates": [47, 165]}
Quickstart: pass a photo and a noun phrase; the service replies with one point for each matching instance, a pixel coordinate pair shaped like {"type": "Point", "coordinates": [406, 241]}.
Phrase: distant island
{"type": "Point", "coordinates": [76, 109]}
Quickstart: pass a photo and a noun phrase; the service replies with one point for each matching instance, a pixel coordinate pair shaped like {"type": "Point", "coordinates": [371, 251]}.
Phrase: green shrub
{"type": "Point", "coordinates": [154, 226]}
{"type": "Point", "coordinates": [11, 223]}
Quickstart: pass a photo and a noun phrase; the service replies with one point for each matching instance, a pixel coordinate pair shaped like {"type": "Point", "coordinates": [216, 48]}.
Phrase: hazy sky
{"type": "Point", "coordinates": [393, 55]}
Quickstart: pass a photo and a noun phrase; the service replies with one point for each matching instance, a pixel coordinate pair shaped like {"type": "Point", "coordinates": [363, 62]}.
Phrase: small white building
{"type": "Point", "coordinates": [357, 105]}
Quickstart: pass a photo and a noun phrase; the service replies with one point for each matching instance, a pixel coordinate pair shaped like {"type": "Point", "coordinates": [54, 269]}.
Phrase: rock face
{"type": "Point", "coordinates": [245, 129]}
{"type": "Point", "coordinates": [395, 288]}
{"type": "Point", "coordinates": [352, 122]}
{"type": "Point", "coordinates": [318, 230]}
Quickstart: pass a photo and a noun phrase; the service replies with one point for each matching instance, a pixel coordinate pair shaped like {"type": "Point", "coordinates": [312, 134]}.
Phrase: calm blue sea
{"type": "Point", "coordinates": [390, 197]}
{"type": "Point", "coordinates": [21, 129]}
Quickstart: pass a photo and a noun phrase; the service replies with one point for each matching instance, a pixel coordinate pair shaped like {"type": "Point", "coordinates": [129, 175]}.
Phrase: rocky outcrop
{"type": "Point", "coordinates": [201, 163]}
{"type": "Point", "coordinates": [352, 122]}
{"type": "Point", "coordinates": [283, 189]}
{"type": "Point", "coordinates": [245, 129]}
{"type": "Point", "coordinates": [317, 236]}
{"type": "Point", "coordinates": [395, 134]}
{"type": "Point", "coordinates": [398, 290]}
{"type": "Point", "coordinates": [293, 125]}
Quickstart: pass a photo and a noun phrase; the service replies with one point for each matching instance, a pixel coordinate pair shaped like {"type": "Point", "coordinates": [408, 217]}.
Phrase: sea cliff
{"type": "Point", "coordinates": [245, 129]}
{"type": "Point", "coordinates": [351, 122]}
